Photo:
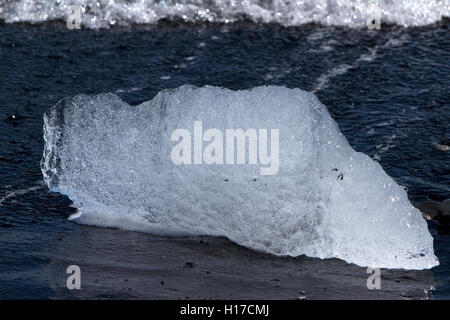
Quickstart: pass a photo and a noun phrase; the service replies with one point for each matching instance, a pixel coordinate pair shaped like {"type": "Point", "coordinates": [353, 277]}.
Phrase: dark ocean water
{"type": "Point", "coordinates": [388, 90]}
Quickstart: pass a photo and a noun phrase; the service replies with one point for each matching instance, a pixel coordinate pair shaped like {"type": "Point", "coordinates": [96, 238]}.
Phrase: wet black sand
{"type": "Point", "coordinates": [142, 266]}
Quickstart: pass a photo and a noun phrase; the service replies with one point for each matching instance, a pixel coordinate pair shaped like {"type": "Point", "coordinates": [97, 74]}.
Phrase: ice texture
{"type": "Point", "coordinates": [326, 201]}
{"type": "Point", "coordinates": [349, 13]}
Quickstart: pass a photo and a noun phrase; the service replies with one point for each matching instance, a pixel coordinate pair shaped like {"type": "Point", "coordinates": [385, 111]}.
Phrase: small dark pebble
{"type": "Point", "coordinates": [162, 283]}
{"type": "Point", "coordinates": [189, 265]}
{"type": "Point", "coordinates": [24, 153]}
{"type": "Point", "coordinates": [54, 56]}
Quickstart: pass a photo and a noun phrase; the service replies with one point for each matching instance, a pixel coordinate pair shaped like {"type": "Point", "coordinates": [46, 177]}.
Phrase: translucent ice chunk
{"type": "Point", "coordinates": [114, 162]}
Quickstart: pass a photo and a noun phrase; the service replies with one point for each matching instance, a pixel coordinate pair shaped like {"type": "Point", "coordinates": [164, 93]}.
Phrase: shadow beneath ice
{"type": "Point", "coordinates": [119, 264]}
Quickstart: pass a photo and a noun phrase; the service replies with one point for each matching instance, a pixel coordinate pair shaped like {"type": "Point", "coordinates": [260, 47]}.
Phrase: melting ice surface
{"type": "Point", "coordinates": [350, 13]}
{"type": "Point", "coordinates": [327, 200]}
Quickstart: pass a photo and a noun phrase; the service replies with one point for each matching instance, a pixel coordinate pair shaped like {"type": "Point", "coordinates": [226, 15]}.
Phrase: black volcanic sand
{"type": "Point", "coordinates": [388, 91]}
{"type": "Point", "coordinates": [119, 264]}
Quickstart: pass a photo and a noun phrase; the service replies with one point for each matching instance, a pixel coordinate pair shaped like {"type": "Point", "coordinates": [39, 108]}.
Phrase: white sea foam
{"type": "Point", "coordinates": [20, 192]}
{"type": "Point", "coordinates": [327, 200]}
{"type": "Point", "coordinates": [105, 13]}
{"type": "Point", "coordinates": [323, 80]}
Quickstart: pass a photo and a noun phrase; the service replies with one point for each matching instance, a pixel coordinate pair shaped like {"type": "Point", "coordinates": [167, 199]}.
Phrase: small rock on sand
{"type": "Point", "coordinates": [444, 207]}
{"type": "Point", "coordinates": [435, 210]}
{"type": "Point", "coordinates": [429, 209]}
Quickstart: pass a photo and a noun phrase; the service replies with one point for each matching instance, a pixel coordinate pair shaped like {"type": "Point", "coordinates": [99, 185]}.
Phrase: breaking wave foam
{"type": "Point", "coordinates": [114, 162]}
{"type": "Point", "coordinates": [105, 13]}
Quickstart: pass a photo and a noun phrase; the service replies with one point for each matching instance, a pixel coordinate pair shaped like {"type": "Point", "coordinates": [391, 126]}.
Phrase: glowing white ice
{"type": "Point", "coordinates": [327, 200]}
